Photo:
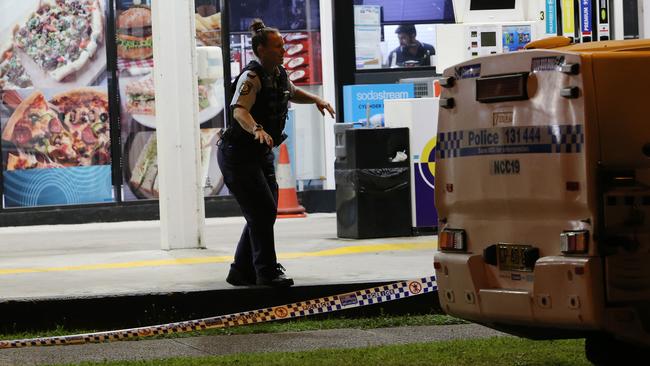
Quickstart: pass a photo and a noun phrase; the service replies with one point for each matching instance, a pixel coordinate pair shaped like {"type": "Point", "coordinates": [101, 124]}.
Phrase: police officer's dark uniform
{"type": "Point", "coordinates": [249, 172]}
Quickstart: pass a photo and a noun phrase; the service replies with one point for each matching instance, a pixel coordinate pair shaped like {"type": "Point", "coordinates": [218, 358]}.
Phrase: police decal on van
{"type": "Point", "coordinates": [554, 139]}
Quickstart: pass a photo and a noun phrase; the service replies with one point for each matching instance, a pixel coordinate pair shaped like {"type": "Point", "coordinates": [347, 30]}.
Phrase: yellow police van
{"type": "Point", "coordinates": [543, 193]}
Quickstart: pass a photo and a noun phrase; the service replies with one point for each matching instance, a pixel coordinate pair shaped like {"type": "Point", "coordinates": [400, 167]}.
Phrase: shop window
{"type": "Point", "coordinates": [299, 24]}
{"type": "Point", "coordinates": [398, 34]}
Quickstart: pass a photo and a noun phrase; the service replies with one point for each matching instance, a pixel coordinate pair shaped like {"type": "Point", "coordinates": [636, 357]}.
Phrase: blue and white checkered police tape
{"type": "Point", "coordinates": [375, 295]}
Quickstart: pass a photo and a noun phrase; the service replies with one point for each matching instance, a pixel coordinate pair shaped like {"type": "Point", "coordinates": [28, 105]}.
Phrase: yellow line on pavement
{"type": "Point", "coordinates": [358, 249]}
{"type": "Point", "coordinates": [361, 249]}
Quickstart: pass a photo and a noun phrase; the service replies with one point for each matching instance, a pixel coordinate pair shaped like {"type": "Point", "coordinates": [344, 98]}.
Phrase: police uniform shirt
{"type": "Point", "coordinates": [249, 84]}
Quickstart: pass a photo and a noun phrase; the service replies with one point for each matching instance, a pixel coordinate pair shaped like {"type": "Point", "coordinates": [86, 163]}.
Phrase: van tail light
{"type": "Point", "coordinates": [452, 240]}
{"type": "Point", "coordinates": [574, 242]}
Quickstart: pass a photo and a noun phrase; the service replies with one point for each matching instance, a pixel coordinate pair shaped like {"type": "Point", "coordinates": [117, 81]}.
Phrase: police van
{"type": "Point", "coordinates": [543, 193]}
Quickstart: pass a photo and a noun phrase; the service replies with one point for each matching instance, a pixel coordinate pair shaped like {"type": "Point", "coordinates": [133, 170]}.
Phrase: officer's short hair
{"type": "Point", "coordinates": [406, 28]}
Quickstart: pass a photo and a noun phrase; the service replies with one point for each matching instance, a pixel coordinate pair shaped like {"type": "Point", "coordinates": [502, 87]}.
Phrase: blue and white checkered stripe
{"type": "Point", "coordinates": [448, 145]}
{"type": "Point", "coordinates": [567, 138]}
{"type": "Point", "coordinates": [385, 293]}
{"type": "Point", "coordinates": [395, 291]}
{"type": "Point", "coordinates": [317, 306]}
{"type": "Point", "coordinates": [429, 284]}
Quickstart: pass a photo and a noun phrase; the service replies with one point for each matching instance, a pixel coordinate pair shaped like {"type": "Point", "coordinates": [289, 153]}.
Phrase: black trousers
{"type": "Point", "coordinates": [249, 174]}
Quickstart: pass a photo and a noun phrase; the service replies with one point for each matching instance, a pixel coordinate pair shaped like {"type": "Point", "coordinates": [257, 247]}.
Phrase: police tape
{"type": "Point", "coordinates": [370, 296]}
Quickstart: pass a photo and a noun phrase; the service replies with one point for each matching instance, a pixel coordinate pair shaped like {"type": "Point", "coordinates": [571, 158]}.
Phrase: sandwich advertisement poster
{"type": "Point", "coordinates": [54, 109]}
{"type": "Point", "coordinates": [135, 65]}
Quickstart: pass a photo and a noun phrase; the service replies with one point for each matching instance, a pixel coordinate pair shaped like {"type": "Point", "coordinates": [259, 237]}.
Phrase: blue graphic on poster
{"type": "Point", "coordinates": [363, 105]}
{"type": "Point", "coordinates": [424, 168]}
{"type": "Point", "coordinates": [58, 186]}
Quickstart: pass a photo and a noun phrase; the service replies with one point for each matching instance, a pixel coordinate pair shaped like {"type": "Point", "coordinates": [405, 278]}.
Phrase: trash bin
{"type": "Point", "coordinates": [373, 194]}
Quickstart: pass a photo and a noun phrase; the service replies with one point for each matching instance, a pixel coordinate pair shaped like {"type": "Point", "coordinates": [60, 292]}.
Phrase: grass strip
{"type": "Point", "coordinates": [298, 325]}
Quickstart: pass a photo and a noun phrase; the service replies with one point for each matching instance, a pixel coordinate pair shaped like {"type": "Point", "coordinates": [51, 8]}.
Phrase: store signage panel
{"type": "Point", "coordinates": [586, 22]}
{"type": "Point", "coordinates": [55, 103]}
{"type": "Point", "coordinates": [364, 104]}
{"type": "Point", "coordinates": [135, 67]}
{"type": "Point", "coordinates": [568, 18]}
{"type": "Point", "coordinates": [368, 15]}
{"type": "Point", "coordinates": [551, 16]}
{"type": "Point", "coordinates": [603, 20]}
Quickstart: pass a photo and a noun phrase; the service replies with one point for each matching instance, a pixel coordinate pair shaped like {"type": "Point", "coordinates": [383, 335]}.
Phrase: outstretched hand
{"type": "Point", "coordinates": [323, 105]}
{"type": "Point", "coordinates": [263, 138]}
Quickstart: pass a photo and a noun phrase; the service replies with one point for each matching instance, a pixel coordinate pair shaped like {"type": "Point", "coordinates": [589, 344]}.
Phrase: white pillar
{"type": "Point", "coordinates": [182, 214]}
{"type": "Point", "coordinates": [329, 87]}
{"type": "Point", "coordinates": [644, 18]}
{"type": "Point", "coordinates": [459, 9]}
{"type": "Point", "coordinates": [616, 19]}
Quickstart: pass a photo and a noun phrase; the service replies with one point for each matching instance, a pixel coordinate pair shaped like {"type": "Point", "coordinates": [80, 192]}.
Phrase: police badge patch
{"type": "Point", "coordinates": [245, 88]}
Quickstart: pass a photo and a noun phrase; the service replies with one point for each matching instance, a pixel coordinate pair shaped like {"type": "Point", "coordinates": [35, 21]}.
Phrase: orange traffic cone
{"type": "Point", "coordinates": [288, 206]}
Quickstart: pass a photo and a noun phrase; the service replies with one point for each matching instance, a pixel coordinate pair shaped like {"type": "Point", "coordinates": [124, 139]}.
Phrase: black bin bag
{"type": "Point", "coordinates": [373, 194]}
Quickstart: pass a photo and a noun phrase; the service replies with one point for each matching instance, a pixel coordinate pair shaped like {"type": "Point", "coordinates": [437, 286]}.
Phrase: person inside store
{"type": "Point", "coordinates": [411, 52]}
{"type": "Point", "coordinates": [259, 107]}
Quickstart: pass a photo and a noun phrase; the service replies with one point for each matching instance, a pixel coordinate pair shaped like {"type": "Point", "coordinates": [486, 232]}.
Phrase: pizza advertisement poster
{"type": "Point", "coordinates": [136, 87]}
{"type": "Point", "coordinates": [54, 103]}
{"type": "Point", "coordinates": [55, 146]}
{"type": "Point", "coordinates": [52, 43]}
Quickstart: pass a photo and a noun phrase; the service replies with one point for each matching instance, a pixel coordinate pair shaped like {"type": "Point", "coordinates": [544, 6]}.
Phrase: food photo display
{"type": "Point", "coordinates": [52, 43]}
{"type": "Point", "coordinates": [135, 68]}
{"type": "Point", "coordinates": [56, 147]}
{"type": "Point", "coordinates": [54, 103]}
{"type": "Point", "coordinates": [141, 164]}
{"type": "Point", "coordinates": [66, 129]}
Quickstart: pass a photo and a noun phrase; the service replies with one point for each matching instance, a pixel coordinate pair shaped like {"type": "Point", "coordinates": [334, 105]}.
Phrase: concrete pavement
{"type": "Point", "coordinates": [58, 274]}
{"type": "Point", "coordinates": [125, 258]}
{"type": "Point", "coordinates": [233, 344]}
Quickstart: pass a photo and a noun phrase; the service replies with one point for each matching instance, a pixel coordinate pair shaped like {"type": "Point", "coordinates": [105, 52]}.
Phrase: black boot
{"type": "Point", "coordinates": [277, 279]}
{"type": "Point", "coordinates": [238, 278]}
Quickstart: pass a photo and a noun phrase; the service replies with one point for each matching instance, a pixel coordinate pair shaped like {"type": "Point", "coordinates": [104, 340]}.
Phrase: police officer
{"type": "Point", "coordinates": [410, 52]}
{"type": "Point", "coordinates": [259, 107]}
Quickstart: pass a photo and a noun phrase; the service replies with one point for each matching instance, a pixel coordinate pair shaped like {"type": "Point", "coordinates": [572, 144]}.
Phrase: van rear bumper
{"type": "Point", "coordinates": [566, 292]}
